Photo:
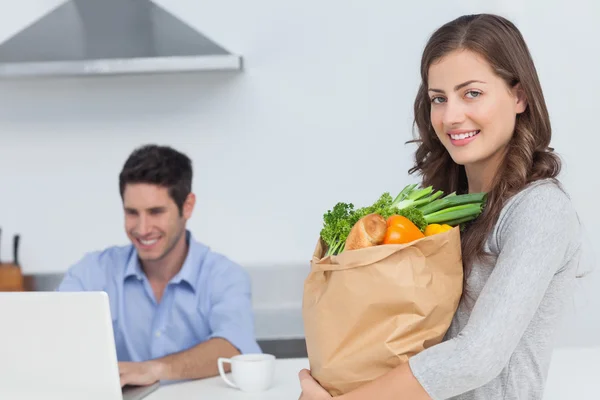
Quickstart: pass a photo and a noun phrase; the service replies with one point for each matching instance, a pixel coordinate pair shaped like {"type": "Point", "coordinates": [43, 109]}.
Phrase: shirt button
{"type": "Point", "coordinates": [157, 333]}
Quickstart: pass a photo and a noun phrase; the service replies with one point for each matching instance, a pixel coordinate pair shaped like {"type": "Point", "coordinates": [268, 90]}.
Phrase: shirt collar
{"type": "Point", "coordinates": [188, 273]}
{"type": "Point", "coordinates": [133, 267]}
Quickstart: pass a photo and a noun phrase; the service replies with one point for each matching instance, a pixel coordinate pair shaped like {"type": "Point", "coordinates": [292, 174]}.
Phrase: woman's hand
{"type": "Point", "coordinates": [311, 390]}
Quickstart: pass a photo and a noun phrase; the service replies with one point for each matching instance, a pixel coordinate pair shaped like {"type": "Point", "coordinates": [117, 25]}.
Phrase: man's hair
{"type": "Point", "coordinates": [162, 166]}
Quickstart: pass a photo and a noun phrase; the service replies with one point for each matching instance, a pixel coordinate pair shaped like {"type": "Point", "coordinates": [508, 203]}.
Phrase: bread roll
{"type": "Point", "coordinates": [368, 231]}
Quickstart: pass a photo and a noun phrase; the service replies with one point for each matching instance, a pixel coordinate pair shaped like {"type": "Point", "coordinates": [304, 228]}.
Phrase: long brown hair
{"type": "Point", "coordinates": [528, 157]}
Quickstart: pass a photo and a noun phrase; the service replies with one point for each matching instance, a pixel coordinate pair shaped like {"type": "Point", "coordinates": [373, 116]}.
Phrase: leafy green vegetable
{"type": "Point", "coordinates": [454, 213]}
{"type": "Point", "coordinates": [416, 198]}
{"type": "Point", "coordinates": [452, 200]}
{"type": "Point", "coordinates": [337, 226]}
{"type": "Point", "coordinates": [383, 207]}
{"type": "Point", "coordinates": [421, 206]}
{"type": "Point", "coordinates": [414, 215]}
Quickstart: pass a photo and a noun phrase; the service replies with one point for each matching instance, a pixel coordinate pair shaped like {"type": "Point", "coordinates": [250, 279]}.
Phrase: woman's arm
{"type": "Point", "coordinates": [534, 237]}
{"type": "Point", "coordinates": [398, 384]}
{"type": "Point", "coordinates": [399, 380]}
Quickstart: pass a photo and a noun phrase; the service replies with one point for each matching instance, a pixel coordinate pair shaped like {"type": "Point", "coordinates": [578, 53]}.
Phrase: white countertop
{"type": "Point", "coordinates": [285, 386]}
{"type": "Point", "coordinates": [574, 374]}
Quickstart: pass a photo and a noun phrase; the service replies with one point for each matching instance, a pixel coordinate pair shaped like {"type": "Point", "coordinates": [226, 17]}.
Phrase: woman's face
{"type": "Point", "coordinates": [473, 111]}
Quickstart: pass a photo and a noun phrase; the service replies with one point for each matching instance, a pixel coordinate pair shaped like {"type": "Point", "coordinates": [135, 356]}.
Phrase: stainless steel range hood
{"type": "Point", "coordinates": [101, 37]}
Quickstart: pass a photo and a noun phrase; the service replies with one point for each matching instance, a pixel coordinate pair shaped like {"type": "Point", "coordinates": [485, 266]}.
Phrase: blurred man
{"type": "Point", "coordinates": [176, 306]}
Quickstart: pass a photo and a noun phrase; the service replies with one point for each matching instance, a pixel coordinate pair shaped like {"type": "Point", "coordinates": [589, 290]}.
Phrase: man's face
{"type": "Point", "coordinates": [152, 219]}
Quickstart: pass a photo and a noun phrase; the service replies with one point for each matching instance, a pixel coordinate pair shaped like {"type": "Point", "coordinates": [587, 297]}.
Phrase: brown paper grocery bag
{"type": "Point", "coordinates": [366, 311]}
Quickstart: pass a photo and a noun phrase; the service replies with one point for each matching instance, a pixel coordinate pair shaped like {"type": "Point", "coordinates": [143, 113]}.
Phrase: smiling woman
{"type": "Point", "coordinates": [461, 112]}
{"type": "Point", "coordinates": [459, 137]}
{"type": "Point", "coordinates": [482, 118]}
{"type": "Point", "coordinates": [483, 127]}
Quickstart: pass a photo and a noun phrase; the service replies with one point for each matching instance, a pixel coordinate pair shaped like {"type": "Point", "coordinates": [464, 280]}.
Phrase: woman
{"type": "Point", "coordinates": [484, 127]}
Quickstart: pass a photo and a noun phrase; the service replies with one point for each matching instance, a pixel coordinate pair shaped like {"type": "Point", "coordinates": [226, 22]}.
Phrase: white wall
{"type": "Point", "coordinates": [320, 78]}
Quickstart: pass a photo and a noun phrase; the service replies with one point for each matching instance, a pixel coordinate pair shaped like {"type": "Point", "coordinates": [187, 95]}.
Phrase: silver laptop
{"type": "Point", "coordinates": [60, 345]}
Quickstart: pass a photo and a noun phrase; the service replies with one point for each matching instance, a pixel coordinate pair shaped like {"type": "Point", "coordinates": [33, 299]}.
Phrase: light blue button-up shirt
{"type": "Point", "coordinates": [209, 297]}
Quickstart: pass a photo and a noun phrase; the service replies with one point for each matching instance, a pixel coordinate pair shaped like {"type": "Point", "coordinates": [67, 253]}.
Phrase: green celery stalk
{"type": "Point", "coordinates": [414, 196]}
{"type": "Point", "coordinates": [405, 192]}
{"type": "Point", "coordinates": [451, 201]}
{"type": "Point", "coordinates": [427, 200]}
{"type": "Point", "coordinates": [418, 203]}
{"type": "Point", "coordinates": [456, 222]}
{"type": "Point", "coordinates": [453, 213]}
{"type": "Point", "coordinates": [417, 194]}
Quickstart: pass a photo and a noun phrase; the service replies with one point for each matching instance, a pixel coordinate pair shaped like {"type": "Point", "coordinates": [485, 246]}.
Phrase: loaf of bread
{"type": "Point", "coordinates": [368, 231]}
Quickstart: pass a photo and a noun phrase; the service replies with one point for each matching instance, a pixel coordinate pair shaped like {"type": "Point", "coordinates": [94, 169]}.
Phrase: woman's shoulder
{"type": "Point", "coordinates": [541, 206]}
{"type": "Point", "coordinates": [544, 195]}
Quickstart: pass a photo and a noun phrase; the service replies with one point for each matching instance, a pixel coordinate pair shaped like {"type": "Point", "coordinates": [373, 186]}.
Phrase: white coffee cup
{"type": "Point", "coordinates": [250, 372]}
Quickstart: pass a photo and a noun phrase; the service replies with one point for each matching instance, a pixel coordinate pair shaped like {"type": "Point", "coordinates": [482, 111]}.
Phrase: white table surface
{"type": "Point", "coordinates": [574, 374]}
{"type": "Point", "coordinates": [285, 386]}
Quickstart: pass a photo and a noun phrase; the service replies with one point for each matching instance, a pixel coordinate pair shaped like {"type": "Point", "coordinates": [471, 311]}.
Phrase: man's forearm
{"type": "Point", "coordinates": [197, 362]}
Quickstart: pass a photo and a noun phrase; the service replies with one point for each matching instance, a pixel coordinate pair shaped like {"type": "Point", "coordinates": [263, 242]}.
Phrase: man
{"type": "Point", "coordinates": [176, 305]}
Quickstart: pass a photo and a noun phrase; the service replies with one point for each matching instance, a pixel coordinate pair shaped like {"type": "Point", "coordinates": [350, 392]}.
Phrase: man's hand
{"type": "Point", "coordinates": [311, 390]}
{"type": "Point", "coordinates": [139, 373]}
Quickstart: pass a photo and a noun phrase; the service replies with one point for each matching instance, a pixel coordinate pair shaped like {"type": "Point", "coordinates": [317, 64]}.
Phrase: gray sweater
{"type": "Point", "coordinates": [500, 345]}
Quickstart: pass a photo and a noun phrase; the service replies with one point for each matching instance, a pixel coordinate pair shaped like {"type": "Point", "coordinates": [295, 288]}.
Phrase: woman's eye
{"type": "Point", "coordinates": [473, 93]}
{"type": "Point", "coordinates": [437, 100]}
